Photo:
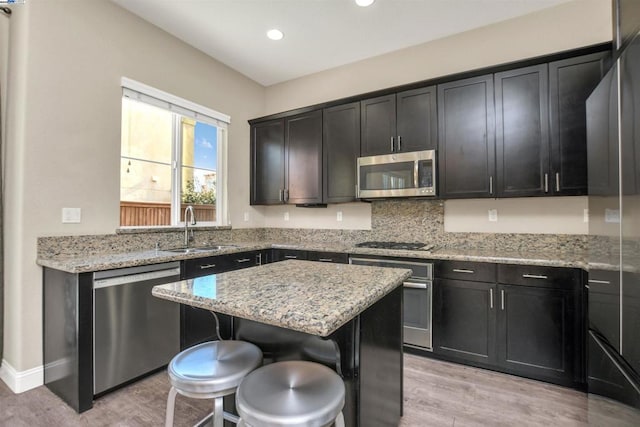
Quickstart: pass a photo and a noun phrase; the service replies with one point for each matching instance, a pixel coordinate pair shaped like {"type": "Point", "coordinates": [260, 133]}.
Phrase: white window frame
{"type": "Point", "coordinates": [149, 95]}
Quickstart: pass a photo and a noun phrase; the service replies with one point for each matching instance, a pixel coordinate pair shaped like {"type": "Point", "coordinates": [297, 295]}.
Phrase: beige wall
{"type": "Point", "coordinates": [568, 26]}
{"type": "Point", "coordinates": [64, 132]}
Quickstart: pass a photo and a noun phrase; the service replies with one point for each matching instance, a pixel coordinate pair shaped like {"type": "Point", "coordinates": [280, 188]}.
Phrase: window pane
{"type": "Point", "coordinates": [147, 132]}
{"type": "Point", "coordinates": [199, 144]}
{"type": "Point", "coordinates": [199, 190]}
{"type": "Point", "coordinates": [145, 193]}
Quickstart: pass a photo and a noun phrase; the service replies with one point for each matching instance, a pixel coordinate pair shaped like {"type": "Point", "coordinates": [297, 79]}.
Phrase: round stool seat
{"type": "Point", "coordinates": [292, 393]}
{"type": "Point", "coordinates": [213, 367]}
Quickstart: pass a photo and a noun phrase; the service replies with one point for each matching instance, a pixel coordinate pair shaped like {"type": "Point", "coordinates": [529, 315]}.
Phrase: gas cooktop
{"type": "Point", "coordinates": [409, 246]}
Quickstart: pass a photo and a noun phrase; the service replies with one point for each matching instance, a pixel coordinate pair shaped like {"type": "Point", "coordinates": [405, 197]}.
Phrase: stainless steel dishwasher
{"type": "Point", "coordinates": [133, 332]}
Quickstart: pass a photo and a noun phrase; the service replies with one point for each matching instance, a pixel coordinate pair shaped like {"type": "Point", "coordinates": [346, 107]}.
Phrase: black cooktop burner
{"type": "Point", "coordinates": [411, 246]}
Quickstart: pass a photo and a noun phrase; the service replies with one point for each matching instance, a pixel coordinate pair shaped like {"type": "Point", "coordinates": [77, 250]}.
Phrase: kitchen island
{"type": "Point", "coordinates": [347, 317]}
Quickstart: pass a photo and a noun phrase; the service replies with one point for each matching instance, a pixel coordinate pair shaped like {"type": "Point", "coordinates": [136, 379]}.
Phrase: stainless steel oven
{"type": "Point", "coordinates": [417, 298]}
{"type": "Point", "coordinates": [410, 174]}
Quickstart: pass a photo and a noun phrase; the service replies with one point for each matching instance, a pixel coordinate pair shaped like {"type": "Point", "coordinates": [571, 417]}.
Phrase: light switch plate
{"type": "Point", "coordinates": [339, 216]}
{"type": "Point", "coordinates": [493, 215]}
{"type": "Point", "coordinates": [585, 215]}
{"type": "Point", "coordinates": [612, 216]}
{"type": "Point", "coordinates": [246, 216]}
{"type": "Point", "coordinates": [286, 216]}
{"type": "Point", "coordinates": [71, 215]}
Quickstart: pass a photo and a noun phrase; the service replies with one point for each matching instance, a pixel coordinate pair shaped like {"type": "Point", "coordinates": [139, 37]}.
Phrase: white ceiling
{"type": "Point", "coordinates": [319, 34]}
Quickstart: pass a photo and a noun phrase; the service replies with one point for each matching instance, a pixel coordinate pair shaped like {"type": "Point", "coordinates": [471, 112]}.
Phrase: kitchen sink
{"type": "Point", "coordinates": [200, 249]}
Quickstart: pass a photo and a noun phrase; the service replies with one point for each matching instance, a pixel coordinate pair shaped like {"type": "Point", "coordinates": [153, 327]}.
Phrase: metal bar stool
{"type": "Point", "coordinates": [291, 394]}
{"type": "Point", "coordinates": [211, 370]}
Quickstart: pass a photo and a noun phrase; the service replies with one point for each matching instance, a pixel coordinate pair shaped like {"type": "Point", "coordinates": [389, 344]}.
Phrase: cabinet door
{"type": "Point", "coordinates": [341, 148]}
{"type": "Point", "coordinates": [267, 162]}
{"type": "Point", "coordinates": [466, 138]}
{"type": "Point", "coordinates": [536, 331]}
{"type": "Point", "coordinates": [417, 120]}
{"type": "Point", "coordinates": [378, 123]}
{"type": "Point", "coordinates": [304, 158]}
{"type": "Point", "coordinates": [603, 142]}
{"type": "Point", "coordinates": [522, 132]}
{"type": "Point", "coordinates": [571, 81]}
{"type": "Point", "coordinates": [464, 320]}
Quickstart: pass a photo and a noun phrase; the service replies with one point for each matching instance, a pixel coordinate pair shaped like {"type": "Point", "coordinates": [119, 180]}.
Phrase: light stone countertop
{"type": "Point", "coordinates": [89, 263]}
{"type": "Point", "coordinates": [311, 297]}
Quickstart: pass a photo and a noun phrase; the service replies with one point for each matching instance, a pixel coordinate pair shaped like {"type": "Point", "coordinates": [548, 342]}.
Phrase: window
{"type": "Point", "coordinates": [172, 156]}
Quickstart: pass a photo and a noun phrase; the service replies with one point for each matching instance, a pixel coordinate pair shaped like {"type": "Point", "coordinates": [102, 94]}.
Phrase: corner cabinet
{"type": "Point", "coordinates": [466, 130]}
{"type": "Point", "coordinates": [400, 122]}
{"type": "Point", "coordinates": [286, 160]}
{"type": "Point", "coordinates": [267, 162]}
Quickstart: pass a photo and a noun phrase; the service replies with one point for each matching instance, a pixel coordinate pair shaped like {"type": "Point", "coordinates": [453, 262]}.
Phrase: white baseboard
{"type": "Point", "coordinates": [22, 381]}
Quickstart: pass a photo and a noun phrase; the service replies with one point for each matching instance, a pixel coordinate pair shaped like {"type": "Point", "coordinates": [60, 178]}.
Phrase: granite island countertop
{"type": "Point", "coordinates": [97, 262]}
{"type": "Point", "coordinates": [311, 297]}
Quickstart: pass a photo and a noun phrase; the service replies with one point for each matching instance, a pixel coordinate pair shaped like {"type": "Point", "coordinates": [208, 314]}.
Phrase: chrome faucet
{"type": "Point", "coordinates": [187, 238]}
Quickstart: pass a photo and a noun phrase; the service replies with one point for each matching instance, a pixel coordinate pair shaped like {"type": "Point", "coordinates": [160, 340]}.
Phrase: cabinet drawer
{"type": "Point", "coordinates": [204, 266]}
{"type": "Point", "coordinates": [534, 275]}
{"type": "Point", "coordinates": [465, 270]}
{"type": "Point", "coordinates": [242, 260]}
{"type": "Point", "coordinates": [284, 254]}
{"type": "Point", "coordinates": [339, 257]}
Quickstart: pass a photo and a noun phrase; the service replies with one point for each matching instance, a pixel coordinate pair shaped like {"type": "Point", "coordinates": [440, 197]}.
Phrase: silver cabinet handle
{"type": "Point", "coordinates": [207, 266]}
{"type": "Point", "coordinates": [502, 299]}
{"type": "Point", "coordinates": [281, 195]}
{"type": "Point", "coordinates": [413, 285]}
{"type": "Point", "coordinates": [546, 182]}
{"type": "Point", "coordinates": [325, 259]}
{"type": "Point", "coordinates": [491, 185]}
{"type": "Point", "coordinates": [599, 282]}
{"type": "Point", "coordinates": [392, 145]}
{"type": "Point", "coordinates": [462, 270]}
{"type": "Point", "coordinates": [491, 298]}
{"type": "Point", "coordinates": [286, 195]}
{"type": "Point", "coordinates": [259, 259]}
{"type": "Point", "coordinates": [243, 260]}
{"type": "Point", "coordinates": [399, 143]}
{"type": "Point", "coordinates": [558, 181]}
{"type": "Point", "coordinates": [534, 276]}
{"type": "Point", "coordinates": [291, 256]}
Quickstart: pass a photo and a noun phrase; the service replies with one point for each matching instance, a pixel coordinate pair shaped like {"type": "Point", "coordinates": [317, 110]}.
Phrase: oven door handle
{"type": "Point", "coordinates": [414, 285]}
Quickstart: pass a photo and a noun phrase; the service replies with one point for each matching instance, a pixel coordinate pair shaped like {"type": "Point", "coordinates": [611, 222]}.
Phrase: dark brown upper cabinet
{"type": "Point", "coordinates": [341, 148]}
{"type": "Point", "coordinates": [522, 132]}
{"type": "Point", "coordinates": [466, 131]}
{"type": "Point", "coordinates": [267, 162]}
{"type": "Point", "coordinates": [400, 122]}
{"type": "Point", "coordinates": [286, 160]}
{"type": "Point", "coordinates": [571, 81]}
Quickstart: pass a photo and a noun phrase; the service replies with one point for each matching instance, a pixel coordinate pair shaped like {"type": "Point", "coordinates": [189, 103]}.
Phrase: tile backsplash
{"type": "Point", "coordinates": [401, 220]}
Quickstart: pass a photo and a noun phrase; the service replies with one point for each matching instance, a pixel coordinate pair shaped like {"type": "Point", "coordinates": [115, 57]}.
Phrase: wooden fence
{"type": "Point", "coordinates": [149, 214]}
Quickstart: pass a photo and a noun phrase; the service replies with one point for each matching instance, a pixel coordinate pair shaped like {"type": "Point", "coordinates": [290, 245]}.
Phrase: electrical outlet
{"type": "Point", "coordinates": [246, 216]}
{"type": "Point", "coordinates": [493, 215]}
{"type": "Point", "coordinates": [339, 216]}
{"type": "Point", "coordinates": [71, 215]}
{"type": "Point", "coordinates": [286, 216]}
{"type": "Point", "coordinates": [585, 215]}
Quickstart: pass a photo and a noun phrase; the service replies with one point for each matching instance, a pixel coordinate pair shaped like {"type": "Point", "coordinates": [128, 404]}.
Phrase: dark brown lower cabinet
{"type": "Point", "coordinates": [535, 330]}
{"type": "Point", "coordinates": [464, 320]}
{"type": "Point", "coordinates": [527, 323]}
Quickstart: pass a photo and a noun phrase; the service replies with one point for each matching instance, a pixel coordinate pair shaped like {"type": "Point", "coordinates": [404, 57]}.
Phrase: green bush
{"type": "Point", "coordinates": [204, 197]}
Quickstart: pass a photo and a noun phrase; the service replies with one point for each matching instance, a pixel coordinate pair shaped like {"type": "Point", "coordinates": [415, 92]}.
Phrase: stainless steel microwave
{"type": "Point", "coordinates": [410, 174]}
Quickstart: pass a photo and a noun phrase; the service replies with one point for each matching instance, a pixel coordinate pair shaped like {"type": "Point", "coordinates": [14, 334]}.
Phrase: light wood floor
{"type": "Point", "coordinates": [436, 394]}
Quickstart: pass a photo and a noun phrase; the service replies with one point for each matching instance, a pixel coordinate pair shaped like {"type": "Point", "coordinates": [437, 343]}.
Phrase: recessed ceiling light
{"type": "Point", "coordinates": [364, 3]}
{"type": "Point", "coordinates": [275, 34]}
